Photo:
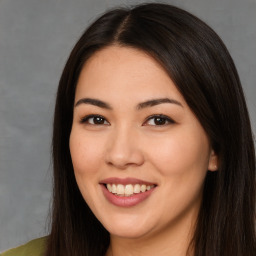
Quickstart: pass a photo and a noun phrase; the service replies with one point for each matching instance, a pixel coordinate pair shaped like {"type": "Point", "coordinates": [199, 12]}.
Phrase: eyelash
{"type": "Point", "coordinates": [165, 120]}
{"type": "Point", "coordinates": [86, 119]}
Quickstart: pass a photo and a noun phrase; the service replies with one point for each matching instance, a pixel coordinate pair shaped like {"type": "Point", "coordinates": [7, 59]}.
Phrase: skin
{"type": "Point", "coordinates": [174, 155]}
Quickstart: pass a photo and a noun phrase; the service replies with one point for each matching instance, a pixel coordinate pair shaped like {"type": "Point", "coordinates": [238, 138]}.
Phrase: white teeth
{"type": "Point", "coordinates": [136, 189]}
{"type": "Point", "coordinates": [120, 189]}
{"type": "Point", "coordinates": [128, 190]}
{"type": "Point", "coordinates": [109, 187]}
{"type": "Point", "coordinates": [143, 188]}
{"type": "Point", "coordinates": [113, 190]}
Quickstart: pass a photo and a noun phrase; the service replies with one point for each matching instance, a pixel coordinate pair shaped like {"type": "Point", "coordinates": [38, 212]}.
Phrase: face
{"type": "Point", "coordinates": [140, 156]}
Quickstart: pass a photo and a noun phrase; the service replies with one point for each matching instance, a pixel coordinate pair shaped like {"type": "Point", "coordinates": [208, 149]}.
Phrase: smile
{"type": "Point", "coordinates": [122, 200]}
{"type": "Point", "coordinates": [126, 192]}
{"type": "Point", "coordinates": [129, 189]}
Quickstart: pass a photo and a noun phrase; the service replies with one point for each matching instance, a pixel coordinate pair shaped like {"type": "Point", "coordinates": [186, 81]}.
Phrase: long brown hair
{"type": "Point", "coordinates": [203, 71]}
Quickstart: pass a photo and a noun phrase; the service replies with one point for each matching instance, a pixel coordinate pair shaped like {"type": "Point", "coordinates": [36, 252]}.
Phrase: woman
{"type": "Point", "coordinates": [152, 146]}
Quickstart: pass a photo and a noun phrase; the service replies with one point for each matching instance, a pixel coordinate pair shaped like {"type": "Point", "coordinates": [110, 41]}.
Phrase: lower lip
{"type": "Point", "coordinates": [126, 201]}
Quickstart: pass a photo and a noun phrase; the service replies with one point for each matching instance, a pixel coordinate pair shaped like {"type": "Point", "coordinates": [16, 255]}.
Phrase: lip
{"type": "Point", "coordinates": [125, 181]}
{"type": "Point", "coordinates": [126, 201]}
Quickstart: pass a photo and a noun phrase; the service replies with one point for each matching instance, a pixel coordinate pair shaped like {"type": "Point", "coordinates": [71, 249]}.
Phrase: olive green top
{"type": "Point", "coordinates": [33, 248]}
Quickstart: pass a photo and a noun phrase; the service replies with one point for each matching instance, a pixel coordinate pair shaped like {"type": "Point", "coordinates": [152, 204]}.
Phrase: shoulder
{"type": "Point", "coordinates": [33, 248]}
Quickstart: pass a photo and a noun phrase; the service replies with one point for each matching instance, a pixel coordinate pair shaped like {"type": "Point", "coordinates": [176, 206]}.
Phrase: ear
{"type": "Point", "coordinates": [213, 162]}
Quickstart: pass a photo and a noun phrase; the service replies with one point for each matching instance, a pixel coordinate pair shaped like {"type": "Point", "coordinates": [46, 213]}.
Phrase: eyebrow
{"type": "Point", "coordinates": [145, 104]}
{"type": "Point", "coordinates": [94, 102]}
{"type": "Point", "coordinates": [154, 102]}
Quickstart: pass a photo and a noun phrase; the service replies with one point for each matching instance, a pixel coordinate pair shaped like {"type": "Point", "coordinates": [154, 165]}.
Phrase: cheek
{"type": "Point", "coordinates": [181, 153]}
{"type": "Point", "coordinates": [86, 153]}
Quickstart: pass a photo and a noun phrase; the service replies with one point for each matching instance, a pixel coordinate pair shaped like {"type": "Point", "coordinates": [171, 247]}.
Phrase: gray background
{"type": "Point", "coordinates": [36, 37]}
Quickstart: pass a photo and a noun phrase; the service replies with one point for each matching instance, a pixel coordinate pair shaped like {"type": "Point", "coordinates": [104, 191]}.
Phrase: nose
{"type": "Point", "coordinates": [124, 149]}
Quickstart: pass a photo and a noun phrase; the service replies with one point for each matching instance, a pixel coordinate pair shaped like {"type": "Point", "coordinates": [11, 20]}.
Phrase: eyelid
{"type": "Point", "coordinates": [84, 120]}
{"type": "Point", "coordinates": [167, 118]}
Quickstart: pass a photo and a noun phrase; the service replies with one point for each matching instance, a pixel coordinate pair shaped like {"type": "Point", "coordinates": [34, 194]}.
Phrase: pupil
{"type": "Point", "coordinates": [98, 120]}
{"type": "Point", "coordinates": [159, 121]}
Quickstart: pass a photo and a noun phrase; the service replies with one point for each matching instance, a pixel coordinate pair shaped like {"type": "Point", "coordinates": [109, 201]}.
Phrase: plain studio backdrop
{"type": "Point", "coordinates": [36, 38]}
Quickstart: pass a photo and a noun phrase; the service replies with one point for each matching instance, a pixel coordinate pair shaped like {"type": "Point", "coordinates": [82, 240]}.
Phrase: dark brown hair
{"type": "Point", "coordinates": [203, 71]}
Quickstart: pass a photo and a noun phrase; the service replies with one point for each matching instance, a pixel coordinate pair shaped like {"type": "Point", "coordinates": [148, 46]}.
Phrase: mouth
{"type": "Point", "coordinates": [128, 190]}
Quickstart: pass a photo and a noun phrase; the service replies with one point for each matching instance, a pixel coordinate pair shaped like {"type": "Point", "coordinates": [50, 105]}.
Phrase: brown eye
{"type": "Point", "coordinates": [95, 120]}
{"type": "Point", "coordinates": [158, 120]}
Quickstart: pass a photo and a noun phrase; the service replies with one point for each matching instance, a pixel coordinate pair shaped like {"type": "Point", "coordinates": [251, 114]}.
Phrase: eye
{"type": "Point", "coordinates": [158, 120]}
{"type": "Point", "coordinates": [94, 120]}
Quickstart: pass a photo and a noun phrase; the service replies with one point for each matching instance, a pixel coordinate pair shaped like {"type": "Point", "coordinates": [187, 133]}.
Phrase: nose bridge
{"type": "Point", "coordinates": [124, 149]}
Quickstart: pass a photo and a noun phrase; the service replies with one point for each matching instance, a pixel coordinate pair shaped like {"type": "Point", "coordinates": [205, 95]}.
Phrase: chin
{"type": "Point", "coordinates": [131, 233]}
{"type": "Point", "coordinates": [131, 229]}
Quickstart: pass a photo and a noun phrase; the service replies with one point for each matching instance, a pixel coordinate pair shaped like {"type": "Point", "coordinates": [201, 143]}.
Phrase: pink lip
{"type": "Point", "coordinates": [125, 181]}
{"type": "Point", "coordinates": [125, 201]}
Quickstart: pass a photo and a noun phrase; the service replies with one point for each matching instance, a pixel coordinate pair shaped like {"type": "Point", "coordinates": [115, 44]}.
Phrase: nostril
{"type": "Point", "coordinates": [122, 160]}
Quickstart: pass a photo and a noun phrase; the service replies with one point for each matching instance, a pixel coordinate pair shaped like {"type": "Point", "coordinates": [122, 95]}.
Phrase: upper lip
{"type": "Point", "coordinates": [125, 181]}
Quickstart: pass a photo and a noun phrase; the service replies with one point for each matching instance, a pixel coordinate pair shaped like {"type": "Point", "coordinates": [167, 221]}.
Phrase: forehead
{"type": "Point", "coordinates": [124, 59]}
{"type": "Point", "coordinates": [125, 71]}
